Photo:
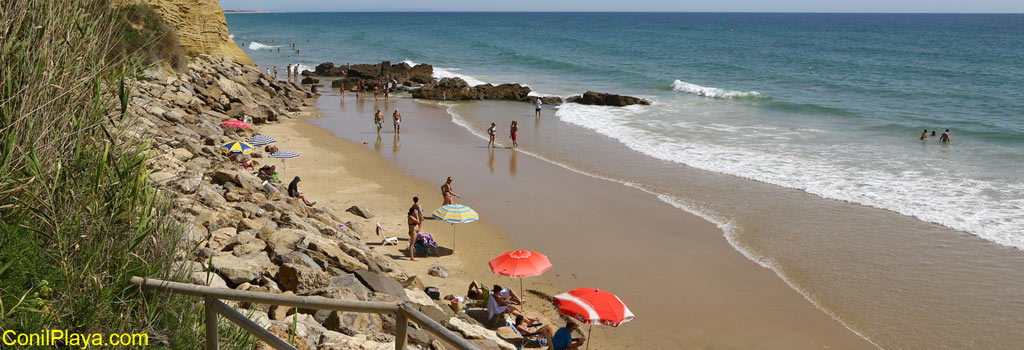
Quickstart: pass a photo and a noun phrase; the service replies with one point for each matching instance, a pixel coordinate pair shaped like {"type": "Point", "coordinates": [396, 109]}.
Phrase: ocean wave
{"type": "Point", "coordinates": [712, 92]}
{"type": "Point", "coordinates": [989, 209]}
{"type": "Point", "coordinates": [440, 73]}
{"type": "Point", "coordinates": [260, 46]}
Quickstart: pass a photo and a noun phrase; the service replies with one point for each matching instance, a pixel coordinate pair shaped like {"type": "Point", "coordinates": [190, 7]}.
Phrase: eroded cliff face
{"type": "Point", "coordinates": [200, 25]}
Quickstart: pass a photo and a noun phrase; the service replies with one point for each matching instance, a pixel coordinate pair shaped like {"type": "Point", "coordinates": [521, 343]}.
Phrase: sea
{"type": "Point", "coordinates": [797, 134]}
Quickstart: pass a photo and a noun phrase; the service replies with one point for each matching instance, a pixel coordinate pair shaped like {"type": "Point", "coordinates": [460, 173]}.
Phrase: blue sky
{"type": "Point", "coordinates": [956, 6]}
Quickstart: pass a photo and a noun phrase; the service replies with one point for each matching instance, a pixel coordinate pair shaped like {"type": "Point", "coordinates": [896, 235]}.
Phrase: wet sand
{"type": "Point", "coordinates": [688, 287]}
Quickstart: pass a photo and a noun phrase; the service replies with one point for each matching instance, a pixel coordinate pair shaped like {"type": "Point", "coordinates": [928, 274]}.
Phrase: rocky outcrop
{"type": "Point", "coordinates": [603, 99]}
{"type": "Point", "coordinates": [238, 232]}
{"type": "Point", "coordinates": [456, 89]}
{"type": "Point", "coordinates": [200, 26]}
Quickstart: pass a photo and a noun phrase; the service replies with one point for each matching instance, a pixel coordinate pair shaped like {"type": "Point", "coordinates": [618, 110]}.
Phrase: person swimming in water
{"type": "Point", "coordinates": [924, 135]}
{"type": "Point", "coordinates": [398, 121]}
{"type": "Point", "coordinates": [945, 136]}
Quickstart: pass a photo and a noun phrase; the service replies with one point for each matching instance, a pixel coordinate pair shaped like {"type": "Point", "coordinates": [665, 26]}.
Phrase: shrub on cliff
{"type": "Point", "coordinates": [78, 217]}
{"type": "Point", "coordinates": [143, 33]}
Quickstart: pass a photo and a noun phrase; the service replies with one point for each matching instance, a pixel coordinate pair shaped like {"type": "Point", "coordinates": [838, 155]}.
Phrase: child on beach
{"type": "Point", "coordinates": [514, 133]}
{"type": "Point", "coordinates": [491, 132]}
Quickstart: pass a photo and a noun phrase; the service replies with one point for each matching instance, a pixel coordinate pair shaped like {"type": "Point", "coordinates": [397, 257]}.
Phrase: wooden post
{"type": "Point", "coordinates": [211, 323]}
{"type": "Point", "coordinates": [401, 333]}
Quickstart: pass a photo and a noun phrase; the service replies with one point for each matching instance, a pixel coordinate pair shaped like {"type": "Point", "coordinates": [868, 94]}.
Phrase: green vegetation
{"type": "Point", "coordinates": [144, 34]}
{"type": "Point", "coordinates": [78, 216]}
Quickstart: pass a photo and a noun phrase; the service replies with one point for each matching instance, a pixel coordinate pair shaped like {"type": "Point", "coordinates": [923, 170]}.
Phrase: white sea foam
{"type": "Point", "coordinates": [690, 88]}
{"type": "Point", "coordinates": [231, 36]}
{"type": "Point", "coordinates": [259, 46]}
{"type": "Point", "coordinates": [440, 73]}
{"type": "Point", "coordinates": [990, 209]}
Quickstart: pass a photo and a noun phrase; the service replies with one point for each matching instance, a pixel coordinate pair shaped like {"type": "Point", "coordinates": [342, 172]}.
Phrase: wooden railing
{"type": "Point", "coordinates": [403, 312]}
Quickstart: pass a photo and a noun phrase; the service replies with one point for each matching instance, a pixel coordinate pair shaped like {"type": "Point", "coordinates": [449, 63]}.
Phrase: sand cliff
{"type": "Point", "coordinates": [200, 25]}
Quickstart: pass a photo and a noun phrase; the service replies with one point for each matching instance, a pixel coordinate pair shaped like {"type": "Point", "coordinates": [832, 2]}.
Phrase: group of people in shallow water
{"type": "Point", "coordinates": [513, 133]}
{"type": "Point", "coordinates": [942, 138]}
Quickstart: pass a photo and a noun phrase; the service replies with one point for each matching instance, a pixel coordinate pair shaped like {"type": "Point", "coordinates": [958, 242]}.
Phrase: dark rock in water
{"type": "Point", "coordinates": [603, 99]}
{"type": "Point", "coordinates": [310, 80]}
{"type": "Point", "coordinates": [402, 72]}
{"type": "Point", "coordinates": [512, 92]}
{"type": "Point", "coordinates": [548, 100]}
{"type": "Point", "coordinates": [453, 89]}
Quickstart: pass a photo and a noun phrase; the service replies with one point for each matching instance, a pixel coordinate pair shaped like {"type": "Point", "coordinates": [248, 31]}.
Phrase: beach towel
{"type": "Point", "coordinates": [426, 240]}
{"type": "Point", "coordinates": [493, 308]}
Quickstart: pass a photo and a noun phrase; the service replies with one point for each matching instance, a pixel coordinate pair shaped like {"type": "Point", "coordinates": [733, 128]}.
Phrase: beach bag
{"type": "Point", "coordinates": [433, 292]}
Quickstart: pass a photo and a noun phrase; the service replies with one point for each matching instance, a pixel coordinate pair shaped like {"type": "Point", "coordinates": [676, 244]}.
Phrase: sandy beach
{"type": "Point", "coordinates": [693, 291]}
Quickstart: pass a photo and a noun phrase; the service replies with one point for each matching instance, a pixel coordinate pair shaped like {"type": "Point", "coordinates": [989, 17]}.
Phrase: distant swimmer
{"type": "Point", "coordinates": [296, 71]}
{"type": "Point", "coordinates": [933, 133]}
{"type": "Point", "coordinates": [378, 119]}
{"type": "Point", "coordinates": [448, 193]}
{"type": "Point", "coordinates": [945, 136]}
{"type": "Point", "coordinates": [275, 72]}
{"type": "Point", "coordinates": [492, 132]}
{"type": "Point", "coordinates": [398, 121]}
{"type": "Point", "coordinates": [924, 135]}
{"type": "Point", "coordinates": [539, 105]}
{"type": "Point", "coordinates": [514, 133]}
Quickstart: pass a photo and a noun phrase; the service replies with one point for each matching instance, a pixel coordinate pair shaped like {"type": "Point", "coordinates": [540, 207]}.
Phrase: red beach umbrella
{"type": "Point", "coordinates": [235, 124]}
{"type": "Point", "coordinates": [519, 264]}
{"type": "Point", "coordinates": [593, 306]}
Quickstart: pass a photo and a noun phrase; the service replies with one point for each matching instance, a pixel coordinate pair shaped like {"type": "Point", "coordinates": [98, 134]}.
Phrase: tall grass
{"type": "Point", "coordinates": [78, 216]}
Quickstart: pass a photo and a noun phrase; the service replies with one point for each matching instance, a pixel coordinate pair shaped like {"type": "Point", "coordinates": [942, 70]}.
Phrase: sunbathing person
{"type": "Point", "coordinates": [510, 294]}
{"type": "Point", "coordinates": [499, 303]}
{"type": "Point", "coordinates": [268, 173]}
{"type": "Point", "coordinates": [293, 191]}
{"type": "Point", "coordinates": [527, 329]}
{"type": "Point", "coordinates": [477, 292]}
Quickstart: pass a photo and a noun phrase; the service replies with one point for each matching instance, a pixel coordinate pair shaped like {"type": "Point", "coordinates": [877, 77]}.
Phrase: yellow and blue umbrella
{"type": "Point", "coordinates": [456, 214]}
{"type": "Point", "coordinates": [236, 147]}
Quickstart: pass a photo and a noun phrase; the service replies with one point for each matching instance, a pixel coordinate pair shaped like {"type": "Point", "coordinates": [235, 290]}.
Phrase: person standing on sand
{"type": "Point", "coordinates": [447, 193]}
{"type": "Point", "coordinates": [376, 89]}
{"type": "Point", "coordinates": [296, 71]}
{"type": "Point", "coordinates": [492, 132]}
{"type": "Point", "coordinates": [415, 222]}
{"type": "Point", "coordinates": [289, 71]}
{"type": "Point", "coordinates": [924, 135]}
{"type": "Point", "coordinates": [378, 119]}
{"type": "Point", "coordinates": [945, 136]}
{"type": "Point", "coordinates": [539, 104]}
{"type": "Point", "coordinates": [398, 121]}
{"type": "Point", "coordinates": [275, 72]}
{"type": "Point", "coordinates": [514, 133]}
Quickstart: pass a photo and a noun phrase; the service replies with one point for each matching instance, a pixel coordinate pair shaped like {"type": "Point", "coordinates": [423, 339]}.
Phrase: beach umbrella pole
{"type": "Point", "coordinates": [522, 295]}
{"type": "Point", "coordinates": [453, 237]}
{"type": "Point", "coordinates": [591, 328]}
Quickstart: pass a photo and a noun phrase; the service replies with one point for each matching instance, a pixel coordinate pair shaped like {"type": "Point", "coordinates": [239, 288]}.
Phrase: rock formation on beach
{"type": "Point", "coordinates": [243, 233]}
{"type": "Point", "coordinates": [200, 26]}
{"type": "Point", "coordinates": [456, 89]}
{"type": "Point", "coordinates": [603, 99]}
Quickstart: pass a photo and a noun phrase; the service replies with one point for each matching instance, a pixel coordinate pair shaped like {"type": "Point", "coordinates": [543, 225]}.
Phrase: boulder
{"type": "Point", "coordinates": [161, 177]}
{"type": "Point", "coordinates": [381, 284]}
{"type": "Point", "coordinates": [310, 80]}
{"type": "Point", "coordinates": [512, 92]}
{"type": "Point", "coordinates": [361, 212]}
{"type": "Point", "coordinates": [212, 199]}
{"type": "Point", "coordinates": [349, 281]}
{"type": "Point", "coordinates": [219, 238]}
{"type": "Point", "coordinates": [298, 278]}
{"type": "Point", "coordinates": [282, 241]}
{"type": "Point", "coordinates": [603, 99]}
{"type": "Point", "coordinates": [235, 269]}
{"type": "Point", "coordinates": [208, 279]}
{"type": "Point", "coordinates": [475, 331]}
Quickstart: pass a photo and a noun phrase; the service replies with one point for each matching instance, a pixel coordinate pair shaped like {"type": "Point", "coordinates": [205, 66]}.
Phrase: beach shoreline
{"type": "Point", "coordinates": [773, 326]}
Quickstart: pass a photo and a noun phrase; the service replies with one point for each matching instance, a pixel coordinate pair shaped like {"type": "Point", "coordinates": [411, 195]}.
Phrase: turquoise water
{"type": "Point", "coordinates": [831, 104]}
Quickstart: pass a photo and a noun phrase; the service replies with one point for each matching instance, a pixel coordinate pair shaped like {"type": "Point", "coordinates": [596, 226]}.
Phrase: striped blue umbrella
{"type": "Point", "coordinates": [456, 214]}
{"type": "Point", "coordinates": [284, 155]}
{"type": "Point", "coordinates": [236, 147]}
{"type": "Point", "coordinates": [260, 140]}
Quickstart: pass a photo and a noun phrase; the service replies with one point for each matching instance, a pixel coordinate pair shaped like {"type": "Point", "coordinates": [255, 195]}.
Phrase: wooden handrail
{"type": "Point", "coordinates": [403, 312]}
